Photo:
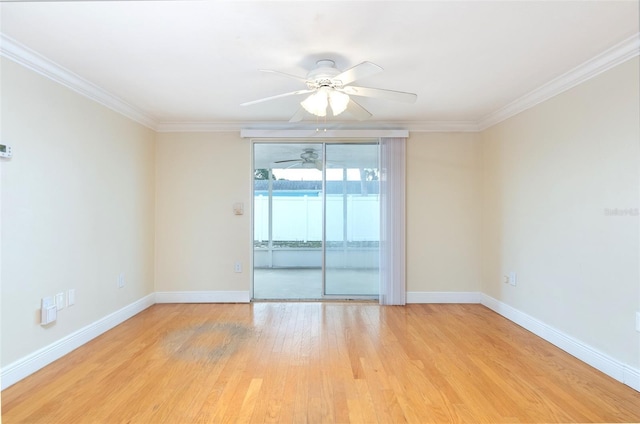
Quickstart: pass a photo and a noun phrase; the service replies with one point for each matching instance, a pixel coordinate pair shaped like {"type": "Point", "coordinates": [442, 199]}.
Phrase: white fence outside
{"type": "Point", "coordinates": [299, 218]}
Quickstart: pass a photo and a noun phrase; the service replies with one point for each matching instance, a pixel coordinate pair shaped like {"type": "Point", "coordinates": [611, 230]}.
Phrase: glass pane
{"type": "Point", "coordinates": [287, 234]}
{"type": "Point", "coordinates": [352, 220]}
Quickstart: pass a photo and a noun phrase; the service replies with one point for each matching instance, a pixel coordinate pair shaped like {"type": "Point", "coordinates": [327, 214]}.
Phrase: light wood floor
{"type": "Point", "coordinates": [318, 362]}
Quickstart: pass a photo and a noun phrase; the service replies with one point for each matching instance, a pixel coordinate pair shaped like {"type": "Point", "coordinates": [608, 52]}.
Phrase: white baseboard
{"type": "Point", "coordinates": [23, 367]}
{"type": "Point", "coordinates": [31, 363]}
{"type": "Point", "coordinates": [631, 377]}
{"type": "Point", "coordinates": [600, 361]}
{"type": "Point", "coordinates": [443, 297]}
{"type": "Point", "coordinates": [203, 297]}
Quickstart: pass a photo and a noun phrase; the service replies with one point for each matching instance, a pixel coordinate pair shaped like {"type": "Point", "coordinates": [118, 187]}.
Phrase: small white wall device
{"type": "Point", "coordinates": [5, 151]}
{"type": "Point", "coordinates": [49, 311]}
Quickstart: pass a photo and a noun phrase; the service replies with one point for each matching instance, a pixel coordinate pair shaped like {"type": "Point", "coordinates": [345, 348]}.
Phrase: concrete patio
{"type": "Point", "coordinates": [306, 283]}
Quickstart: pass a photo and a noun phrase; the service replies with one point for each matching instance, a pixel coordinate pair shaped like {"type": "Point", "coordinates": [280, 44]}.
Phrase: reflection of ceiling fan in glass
{"type": "Point", "coordinates": [309, 159]}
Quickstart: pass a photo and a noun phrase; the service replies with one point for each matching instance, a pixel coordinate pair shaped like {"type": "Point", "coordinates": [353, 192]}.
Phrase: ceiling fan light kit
{"type": "Point", "coordinates": [329, 87]}
{"type": "Point", "coordinates": [316, 104]}
{"type": "Point", "coordinates": [338, 101]}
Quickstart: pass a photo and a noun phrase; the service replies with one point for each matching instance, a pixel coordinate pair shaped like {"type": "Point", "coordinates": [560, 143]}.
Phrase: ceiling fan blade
{"type": "Point", "coordinates": [298, 116]}
{"type": "Point", "coordinates": [292, 93]}
{"type": "Point", "coordinates": [362, 70]}
{"type": "Point", "coordinates": [303, 79]}
{"type": "Point", "coordinates": [398, 96]}
{"type": "Point", "coordinates": [358, 111]}
{"type": "Point", "coordinates": [318, 164]}
{"type": "Point", "coordinates": [288, 160]}
{"type": "Point", "coordinates": [294, 165]}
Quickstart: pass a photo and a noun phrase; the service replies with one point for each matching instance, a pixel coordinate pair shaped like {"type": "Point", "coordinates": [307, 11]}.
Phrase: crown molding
{"type": "Point", "coordinates": [232, 126]}
{"type": "Point", "coordinates": [441, 126]}
{"type": "Point", "coordinates": [619, 53]}
{"type": "Point", "coordinates": [214, 126]}
{"type": "Point", "coordinates": [13, 50]}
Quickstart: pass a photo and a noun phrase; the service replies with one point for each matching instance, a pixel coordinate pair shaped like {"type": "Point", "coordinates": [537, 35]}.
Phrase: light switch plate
{"type": "Point", "coordinates": [48, 312]}
{"type": "Point", "coordinates": [60, 300]}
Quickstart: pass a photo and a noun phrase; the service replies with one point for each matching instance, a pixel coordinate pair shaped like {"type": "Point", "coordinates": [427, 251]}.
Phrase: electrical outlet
{"type": "Point", "coordinates": [238, 267]}
{"type": "Point", "coordinates": [60, 300]}
{"type": "Point", "coordinates": [120, 281]}
{"type": "Point", "coordinates": [71, 297]}
{"type": "Point", "coordinates": [638, 322]}
{"type": "Point", "coordinates": [513, 278]}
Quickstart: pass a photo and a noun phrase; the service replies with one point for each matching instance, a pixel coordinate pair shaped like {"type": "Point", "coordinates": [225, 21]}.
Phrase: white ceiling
{"type": "Point", "coordinates": [196, 61]}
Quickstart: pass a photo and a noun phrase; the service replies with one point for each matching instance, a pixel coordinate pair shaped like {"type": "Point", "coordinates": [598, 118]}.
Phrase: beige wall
{"type": "Point", "coordinates": [198, 238]}
{"type": "Point", "coordinates": [77, 209]}
{"type": "Point", "coordinates": [443, 219]}
{"type": "Point", "coordinates": [550, 175]}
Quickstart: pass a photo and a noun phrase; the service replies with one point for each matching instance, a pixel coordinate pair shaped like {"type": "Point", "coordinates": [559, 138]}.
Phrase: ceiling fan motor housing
{"type": "Point", "coordinates": [323, 75]}
{"type": "Point", "coordinates": [309, 155]}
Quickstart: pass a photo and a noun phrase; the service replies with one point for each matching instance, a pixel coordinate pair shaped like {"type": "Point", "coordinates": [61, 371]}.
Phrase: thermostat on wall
{"type": "Point", "coordinates": [5, 151]}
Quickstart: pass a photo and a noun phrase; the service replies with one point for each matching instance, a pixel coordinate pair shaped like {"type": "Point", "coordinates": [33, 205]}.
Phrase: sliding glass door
{"type": "Point", "coordinates": [316, 220]}
{"type": "Point", "coordinates": [288, 221]}
{"type": "Point", "coordinates": [352, 220]}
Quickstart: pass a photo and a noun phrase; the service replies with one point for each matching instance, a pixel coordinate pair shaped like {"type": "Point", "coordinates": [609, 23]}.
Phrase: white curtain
{"type": "Point", "coordinates": [392, 221]}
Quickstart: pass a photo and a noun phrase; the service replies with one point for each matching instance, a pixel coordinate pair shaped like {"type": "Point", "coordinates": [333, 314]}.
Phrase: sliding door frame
{"type": "Point", "coordinates": [327, 135]}
{"type": "Point", "coordinates": [324, 142]}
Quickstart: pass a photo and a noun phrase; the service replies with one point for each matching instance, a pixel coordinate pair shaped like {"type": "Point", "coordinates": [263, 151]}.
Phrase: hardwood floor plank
{"type": "Point", "coordinates": [318, 362]}
{"type": "Point", "coordinates": [249, 401]}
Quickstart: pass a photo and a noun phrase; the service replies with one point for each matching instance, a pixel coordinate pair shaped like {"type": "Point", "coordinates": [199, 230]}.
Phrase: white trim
{"type": "Point", "coordinates": [600, 361]}
{"type": "Point", "coordinates": [31, 363]}
{"type": "Point", "coordinates": [631, 377]}
{"type": "Point", "coordinates": [219, 126]}
{"type": "Point", "coordinates": [30, 59]}
{"type": "Point", "coordinates": [614, 56]}
{"type": "Point", "coordinates": [249, 133]}
{"type": "Point", "coordinates": [443, 297]}
{"type": "Point", "coordinates": [440, 126]}
{"type": "Point", "coordinates": [232, 126]}
{"type": "Point", "coordinates": [203, 297]}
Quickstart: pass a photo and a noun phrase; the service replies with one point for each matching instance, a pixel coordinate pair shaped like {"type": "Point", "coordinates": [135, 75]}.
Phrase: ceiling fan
{"type": "Point", "coordinates": [309, 158]}
{"type": "Point", "coordinates": [328, 86]}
